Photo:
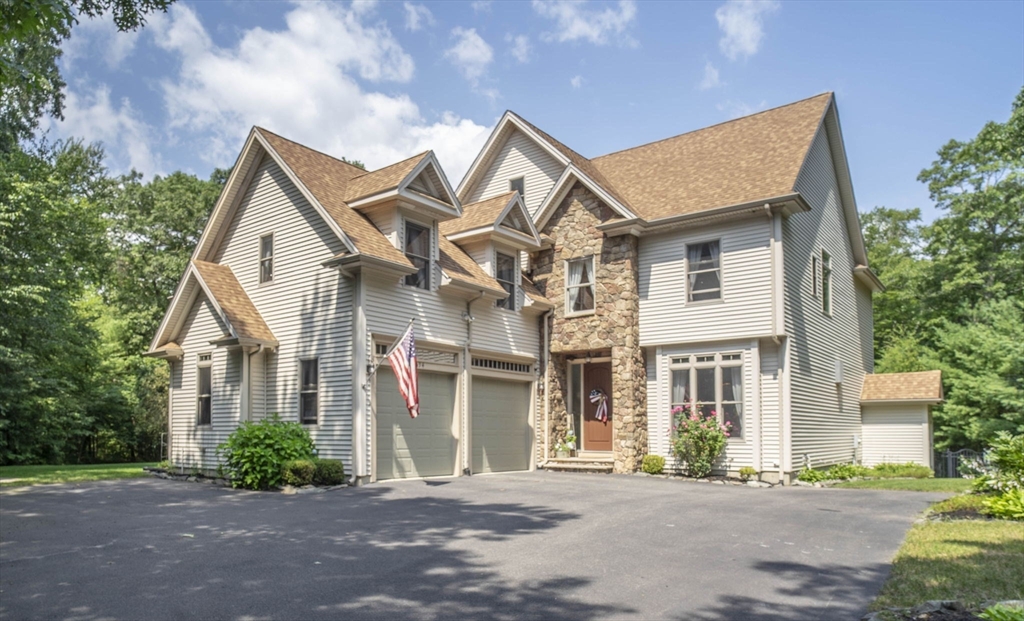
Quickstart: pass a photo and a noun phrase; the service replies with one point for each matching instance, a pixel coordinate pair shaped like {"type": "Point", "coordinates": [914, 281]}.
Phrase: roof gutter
{"type": "Point", "coordinates": [785, 204]}
{"type": "Point", "coordinates": [869, 278]}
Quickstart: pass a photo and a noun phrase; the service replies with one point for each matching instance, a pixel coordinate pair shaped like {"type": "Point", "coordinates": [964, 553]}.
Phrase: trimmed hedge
{"type": "Point", "coordinates": [298, 472]}
{"type": "Point", "coordinates": [653, 464]}
{"type": "Point", "coordinates": [329, 472]}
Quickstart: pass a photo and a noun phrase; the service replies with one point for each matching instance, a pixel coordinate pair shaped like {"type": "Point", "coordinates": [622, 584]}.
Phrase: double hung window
{"type": "Point", "coordinates": [711, 384]}
{"type": "Point", "coordinates": [204, 389]}
{"type": "Point", "coordinates": [826, 283]}
{"type": "Point", "coordinates": [308, 391]}
{"type": "Point", "coordinates": [417, 250]}
{"type": "Point", "coordinates": [267, 258]}
{"type": "Point", "coordinates": [579, 286]}
{"type": "Point", "coordinates": [505, 274]}
{"type": "Point", "coordinates": [703, 272]}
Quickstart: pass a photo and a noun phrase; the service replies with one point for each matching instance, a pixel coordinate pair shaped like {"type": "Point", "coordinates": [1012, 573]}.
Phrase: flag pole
{"type": "Point", "coordinates": [373, 369]}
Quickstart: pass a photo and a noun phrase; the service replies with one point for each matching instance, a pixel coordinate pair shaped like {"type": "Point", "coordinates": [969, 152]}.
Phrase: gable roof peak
{"type": "Point", "coordinates": [356, 169]}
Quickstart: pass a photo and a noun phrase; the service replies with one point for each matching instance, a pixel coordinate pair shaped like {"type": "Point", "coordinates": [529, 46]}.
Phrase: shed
{"type": "Point", "coordinates": [896, 420]}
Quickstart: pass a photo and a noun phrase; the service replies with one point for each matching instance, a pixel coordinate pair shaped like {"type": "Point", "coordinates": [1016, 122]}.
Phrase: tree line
{"type": "Point", "coordinates": [89, 259]}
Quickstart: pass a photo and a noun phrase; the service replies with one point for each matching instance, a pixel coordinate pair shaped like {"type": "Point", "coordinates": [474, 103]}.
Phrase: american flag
{"type": "Point", "coordinates": [403, 363]}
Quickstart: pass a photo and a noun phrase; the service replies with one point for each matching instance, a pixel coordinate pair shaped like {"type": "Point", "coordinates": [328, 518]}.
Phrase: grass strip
{"type": "Point", "coordinates": [16, 476]}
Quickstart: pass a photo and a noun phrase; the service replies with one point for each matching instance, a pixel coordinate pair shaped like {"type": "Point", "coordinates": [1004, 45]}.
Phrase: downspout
{"type": "Point", "coordinates": [468, 318]}
{"type": "Point", "coordinates": [546, 358]}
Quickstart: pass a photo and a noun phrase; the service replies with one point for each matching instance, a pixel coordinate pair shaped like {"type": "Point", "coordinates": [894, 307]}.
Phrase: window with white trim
{"type": "Point", "coordinates": [579, 286]}
{"type": "Point", "coordinates": [826, 283]}
{"type": "Point", "coordinates": [505, 274]}
{"type": "Point", "coordinates": [204, 389]}
{"type": "Point", "coordinates": [267, 258]}
{"type": "Point", "coordinates": [711, 384]}
{"type": "Point", "coordinates": [418, 251]}
{"type": "Point", "coordinates": [703, 271]}
{"type": "Point", "coordinates": [815, 277]}
{"type": "Point", "coordinates": [519, 185]}
{"type": "Point", "coordinates": [309, 385]}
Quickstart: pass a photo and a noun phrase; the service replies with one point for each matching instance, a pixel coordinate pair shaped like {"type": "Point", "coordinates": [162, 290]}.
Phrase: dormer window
{"type": "Point", "coordinates": [505, 274]}
{"type": "Point", "coordinates": [519, 185]}
{"type": "Point", "coordinates": [267, 258]}
{"type": "Point", "coordinates": [417, 250]}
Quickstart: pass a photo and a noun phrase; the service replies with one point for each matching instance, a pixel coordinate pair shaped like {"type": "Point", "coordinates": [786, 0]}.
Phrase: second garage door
{"type": "Point", "coordinates": [501, 425]}
{"type": "Point", "coordinates": [415, 447]}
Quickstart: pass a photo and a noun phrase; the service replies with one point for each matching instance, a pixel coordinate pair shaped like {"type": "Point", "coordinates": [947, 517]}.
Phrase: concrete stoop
{"type": "Point", "coordinates": [579, 464]}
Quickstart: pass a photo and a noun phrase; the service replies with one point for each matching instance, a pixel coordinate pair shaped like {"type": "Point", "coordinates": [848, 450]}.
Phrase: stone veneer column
{"type": "Point", "coordinates": [613, 327]}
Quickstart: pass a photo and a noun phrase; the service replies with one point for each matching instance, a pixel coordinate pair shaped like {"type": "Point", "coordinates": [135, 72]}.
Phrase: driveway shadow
{"type": "Point", "coordinates": [160, 550]}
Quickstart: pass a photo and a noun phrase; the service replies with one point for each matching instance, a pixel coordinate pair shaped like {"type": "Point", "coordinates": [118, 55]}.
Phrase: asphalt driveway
{"type": "Point", "coordinates": [538, 545]}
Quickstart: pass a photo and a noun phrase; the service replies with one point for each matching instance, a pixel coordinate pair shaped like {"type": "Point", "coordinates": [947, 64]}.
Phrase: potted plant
{"type": "Point", "coordinates": [568, 444]}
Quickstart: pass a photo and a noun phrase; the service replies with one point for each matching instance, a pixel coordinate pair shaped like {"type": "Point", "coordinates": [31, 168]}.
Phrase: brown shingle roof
{"type": "Point", "coordinates": [383, 179]}
{"type": "Point", "coordinates": [923, 385]}
{"type": "Point", "coordinates": [739, 161]}
{"type": "Point", "coordinates": [232, 299]}
{"type": "Point", "coordinates": [458, 265]}
{"type": "Point", "coordinates": [534, 293]}
{"type": "Point", "coordinates": [477, 215]}
{"type": "Point", "coordinates": [585, 165]}
{"type": "Point", "coordinates": [328, 179]}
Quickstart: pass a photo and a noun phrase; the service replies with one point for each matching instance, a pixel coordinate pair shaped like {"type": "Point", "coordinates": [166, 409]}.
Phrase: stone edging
{"type": "Point", "coordinates": [161, 473]}
{"type": "Point", "coordinates": [713, 480]}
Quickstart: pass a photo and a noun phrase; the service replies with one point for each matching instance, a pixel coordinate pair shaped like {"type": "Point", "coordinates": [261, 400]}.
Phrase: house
{"type": "Point", "coordinates": [723, 268]}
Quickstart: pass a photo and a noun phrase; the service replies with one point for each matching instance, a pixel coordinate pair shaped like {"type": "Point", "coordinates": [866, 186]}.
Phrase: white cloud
{"type": "Point", "coordinates": [711, 79]}
{"type": "Point", "coordinates": [94, 118]}
{"type": "Point", "coordinates": [576, 22]}
{"type": "Point", "coordinates": [736, 109]}
{"type": "Point", "coordinates": [742, 26]}
{"type": "Point", "coordinates": [470, 54]}
{"type": "Point", "coordinates": [98, 36]}
{"type": "Point", "coordinates": [417, 16]}
{"type": "Point", "coordinates": [301, 82]}
{"type": "Point", "coordinates": [481, 6]}
{"type": "Point", "coordinates": [576, 81]}
{"type": "Point", "coordinates": [520, 47]}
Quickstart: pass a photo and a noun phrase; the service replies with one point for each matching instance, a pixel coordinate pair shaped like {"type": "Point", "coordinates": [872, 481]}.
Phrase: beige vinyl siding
{"type": "Point", "coordinates": [308, 307]}
{"type": "Point", "coordinates": [769, 406]}
{"type": "Point", "coordinates": [258, 385]}
{"type": "Point", "coordinates": [896, 434]}
{"type": "Point", "coordinates": [825, 417]}
{"type": "Point", "coordinates": [745, 309]}
{"type": "Point", "coordinates": [193, 446]}
{"type": "Point", "coordinates": [738, 452]}
{"type": "Point", "coordinates": [519, 157]}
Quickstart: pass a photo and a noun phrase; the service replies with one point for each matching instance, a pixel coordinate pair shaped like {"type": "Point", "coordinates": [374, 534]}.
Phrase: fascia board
{"type": "Point", "coordinates": [228, 195]}
{"type": "Point", "coordinates": [482, 156]}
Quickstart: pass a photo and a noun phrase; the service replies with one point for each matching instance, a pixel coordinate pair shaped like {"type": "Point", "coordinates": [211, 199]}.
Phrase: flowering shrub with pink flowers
{"type": "Point", "coordinates": [697, 440]}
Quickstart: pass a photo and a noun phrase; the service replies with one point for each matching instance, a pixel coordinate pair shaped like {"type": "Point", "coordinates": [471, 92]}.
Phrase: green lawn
{"type": "Point", "coordinates": [910, 485]}
{"type": "Point", "coordinates": [967, 560]}
{"type": "Point", "coordinates": [12, 476]}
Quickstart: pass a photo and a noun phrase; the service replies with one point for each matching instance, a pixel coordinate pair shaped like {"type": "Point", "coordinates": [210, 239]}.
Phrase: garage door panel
{"type": "Point", "coordinates": [501, 425]}
{"type": "Point", "coordinates": [415, 447]}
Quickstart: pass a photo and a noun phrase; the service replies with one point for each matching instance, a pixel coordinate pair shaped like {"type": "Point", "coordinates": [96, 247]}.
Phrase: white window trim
{"type": "Point", "coordinates": [827, 301]}
{"type": "Point", "coordinates": [815, 276]}
{"type": "Point", "coordinates": [431, 260]}
{"type": "Point", "coordinates": [523, 193]}
{"type": "Point", "coordinates": [516, 282]}
{"type": "Point", "coordinates": [593, 286]}
{"type": "Point", "coordinates": [300, 391]}
{"type": "Point", "coordinates": [717, 363]}
{"type": "Point", "coordinates": [686, 274]}
{"type": "Point", "coordinates": [260, 259]}
{"type": "Point", "coordinates": [204, 364]}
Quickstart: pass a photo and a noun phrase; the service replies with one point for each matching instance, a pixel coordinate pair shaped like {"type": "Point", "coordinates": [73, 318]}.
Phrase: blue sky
{"type": "Point", "coordinates": [381, 81]}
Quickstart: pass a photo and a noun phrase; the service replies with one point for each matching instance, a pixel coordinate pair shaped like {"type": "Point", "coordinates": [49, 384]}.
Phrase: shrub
{"type": "Point", "coordinates": [812, 476]}
{"type": "Point", "coordinates": [329, 472]}
{"type": "Point", "coordinates": [908, 470]}
{"type": "Point", "coordinates": [653, 464]}
{"type": "Point", "coordinates": [255, 452]}
{"type": "Point", "coordinates": [298, 472]}
{"type": "Point", "coordinates": [1008, 505]}
{"type": "Point", "coordinates": [1005, 471]}
{"type": "Point", "coordinates": [842, 472]}
{"type": "Point", "coordinates": [747, 473]}
{"type": "Point", "coordinates": [697, 440]}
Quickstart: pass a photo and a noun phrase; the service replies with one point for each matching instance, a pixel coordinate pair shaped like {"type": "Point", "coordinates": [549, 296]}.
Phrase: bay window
{"type": "Point", "coordinates": [711, 384]}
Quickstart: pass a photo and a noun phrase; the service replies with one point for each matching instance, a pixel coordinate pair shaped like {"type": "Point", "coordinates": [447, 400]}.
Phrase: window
{"type": "Point", "coordinates": [518, 184]}
{"type": "Point", "coordinates": [505, 274]}
{"type": "Point", "coordinates": [310, 378]}
{"type": "Point", "coordinates": [579, 286]}
{"type": "Point", "coordinates": [826, 283]}
{"type": "Point", "coordinates": [703, 272]}
{"type": "Point", "coordinates": [815, 286]}
{"type": "Point", "coordinates": [710, 384]}
{"type": "Point", "coordinates": [204, 390]}
{"type": "Point", "coordinates": [267, 258]}
{"type": "Point", "coordinates": [417, 250]}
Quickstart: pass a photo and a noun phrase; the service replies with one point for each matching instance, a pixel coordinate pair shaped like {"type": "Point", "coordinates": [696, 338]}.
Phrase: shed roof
{"type": "Point", "coordinates": [231, 298]}
{"type": "Point", "coordinates": [920, 386]}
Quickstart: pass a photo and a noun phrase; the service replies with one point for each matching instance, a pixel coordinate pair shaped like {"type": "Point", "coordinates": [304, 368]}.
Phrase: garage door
{"type": "Point", "coordinates": [415, 447]}
{"type": "Point", "coordinates": [501, 425]}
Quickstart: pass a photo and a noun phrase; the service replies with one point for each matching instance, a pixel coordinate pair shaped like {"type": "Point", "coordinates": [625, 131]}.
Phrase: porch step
{"type": "Point", "coordinates": [579, 464]}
